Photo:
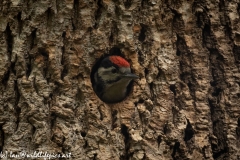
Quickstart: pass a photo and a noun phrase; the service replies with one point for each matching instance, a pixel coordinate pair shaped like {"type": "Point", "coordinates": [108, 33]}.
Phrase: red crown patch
{"type": "Point", "coordinates": [121, 62]}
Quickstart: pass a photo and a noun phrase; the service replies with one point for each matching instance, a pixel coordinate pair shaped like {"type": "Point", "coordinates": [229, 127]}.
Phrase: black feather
{"type": "Point", "coordinates": [106, 63]}
{"type": "Point", "coordinates": [99, 83]}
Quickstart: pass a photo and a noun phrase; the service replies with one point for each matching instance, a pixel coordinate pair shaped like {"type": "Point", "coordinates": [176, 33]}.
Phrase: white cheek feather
{"type": "Point", "coordinates": [106, 74]}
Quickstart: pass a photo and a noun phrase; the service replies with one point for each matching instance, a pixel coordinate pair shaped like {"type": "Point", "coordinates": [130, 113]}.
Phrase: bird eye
{"type": "Point", "coordinates": [114, 70]}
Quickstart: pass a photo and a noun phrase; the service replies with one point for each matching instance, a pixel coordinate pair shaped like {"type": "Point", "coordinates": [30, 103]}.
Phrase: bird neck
{"type": "Point", "coordinates": [116, 92]}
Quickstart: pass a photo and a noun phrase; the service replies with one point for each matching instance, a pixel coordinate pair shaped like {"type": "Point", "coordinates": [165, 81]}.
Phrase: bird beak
{"type": "Point", "coordinates": [130, 76]}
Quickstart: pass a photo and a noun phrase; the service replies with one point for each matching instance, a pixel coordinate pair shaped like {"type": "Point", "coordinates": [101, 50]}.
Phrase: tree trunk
{"type": "Point", "coordinates": [186, 104]}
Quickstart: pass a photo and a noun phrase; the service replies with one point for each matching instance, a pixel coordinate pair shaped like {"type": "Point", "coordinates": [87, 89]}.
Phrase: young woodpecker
{"type": "Point", "coordinates": [112, 79]}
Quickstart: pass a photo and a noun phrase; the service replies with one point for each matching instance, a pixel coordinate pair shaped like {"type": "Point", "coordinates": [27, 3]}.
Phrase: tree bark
{"type": "Point", "coordinates": [186, 104]}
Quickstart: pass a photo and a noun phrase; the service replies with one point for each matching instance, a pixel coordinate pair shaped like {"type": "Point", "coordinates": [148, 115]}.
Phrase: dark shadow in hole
{"type": "Point", "coordinates": [98, 13]}
{"type": "Point", "coordinates": [173, 89]}
{"type": "Point", "coordinates": [83, 133]}
{"type": "Point", "coordinates": [86, 144]}
{"type": "Point", "coordinates": [125, 133]}
{"type": "Point", "coordinates": [9, 39]}
{"type": "Point", "coordinates": [95, 156]}
{"type": "Point", "coordinates": [142, 35]}
{"type": "Point", "coordinates": [175, 150]}
{"type": "Point", "coordinates": [20, 22]}
{"type": "Point", "coordinates": [127, 3]}
{"type": "Point", "coordinates": [159, 140]}
{"type": "Point", "coordinates": [220, 153]}
{"type": "Point", "coordinates": [189, 132]}
{"type": "Point", "coordinates": [238, 128]}
{"type": "Point", "coordinates": [178, 53]}
{"type": "Point", "coordinates": [75, 15]}
{"type": "Point", "coordinates": [1, 138]}
{"type": "Point", "coordinates": [216, 92]}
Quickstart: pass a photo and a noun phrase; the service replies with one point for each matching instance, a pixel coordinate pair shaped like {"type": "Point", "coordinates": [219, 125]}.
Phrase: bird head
{"type": "Point", "coordinates": [112, 78]}
{"type": "Point", "coordinates": [114, 69]}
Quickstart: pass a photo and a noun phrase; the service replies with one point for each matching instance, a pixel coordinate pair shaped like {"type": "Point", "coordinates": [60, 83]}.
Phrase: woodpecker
{"type": "Point", "coordinates": [112, 78]}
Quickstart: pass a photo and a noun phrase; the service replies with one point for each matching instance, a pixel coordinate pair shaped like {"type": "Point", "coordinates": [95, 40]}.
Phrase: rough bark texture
{"type": "Point", "coordinates": [186, 104]}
